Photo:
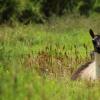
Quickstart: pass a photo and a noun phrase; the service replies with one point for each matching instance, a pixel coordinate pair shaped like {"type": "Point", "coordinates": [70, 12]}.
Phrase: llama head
{"type": "Point", "coordinates": [96, 41]}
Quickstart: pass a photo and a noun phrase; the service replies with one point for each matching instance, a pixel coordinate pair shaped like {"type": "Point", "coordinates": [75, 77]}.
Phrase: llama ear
{"type": "Point", "coordinates": [91, 33]}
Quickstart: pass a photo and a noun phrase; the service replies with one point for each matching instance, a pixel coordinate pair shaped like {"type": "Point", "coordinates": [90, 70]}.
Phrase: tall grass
{"type": "Point", "coordinates": [36, 61]}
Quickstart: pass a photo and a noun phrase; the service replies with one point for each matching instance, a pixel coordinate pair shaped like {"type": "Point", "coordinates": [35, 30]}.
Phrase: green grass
{"type": "Point", "coordinates": [36, 61]}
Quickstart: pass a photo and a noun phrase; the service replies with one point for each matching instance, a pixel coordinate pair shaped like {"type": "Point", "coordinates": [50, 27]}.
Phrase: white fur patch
{"type": "Point", "coordinates": [92, 72]}
{"type": "Point", "coordinates": [97, 60]}
{"type": "Point", "coordinates": [89, 72]}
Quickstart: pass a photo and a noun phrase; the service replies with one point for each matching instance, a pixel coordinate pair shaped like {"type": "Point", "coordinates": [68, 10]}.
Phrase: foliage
{"type": "Point", "coordinates": [86, 7]}
{"type": "Point", "coordinates": [7, 10]}
{"type": "Point", "coordinates": [57, 7]}
{"type": "Point", "coordinates": [36, 61]}
{"type": "Point", "coordinates": [28, 11]}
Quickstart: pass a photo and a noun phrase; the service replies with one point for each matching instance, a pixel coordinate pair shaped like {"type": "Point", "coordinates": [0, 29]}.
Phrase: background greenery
{"type": "Point", "coordinates": [41, 44]}
{"type": "Point", "coordinates": [27, 11]}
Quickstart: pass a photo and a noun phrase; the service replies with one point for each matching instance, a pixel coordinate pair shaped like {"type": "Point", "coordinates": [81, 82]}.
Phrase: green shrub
{"type": "Point", "coordinates": [86, 7]}
{"type": "Point", "coordinates": [27, 11]}
{"type": "Point", "coordinates": [8, 9]}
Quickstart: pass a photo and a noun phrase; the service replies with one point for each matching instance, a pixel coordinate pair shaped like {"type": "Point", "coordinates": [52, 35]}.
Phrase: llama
{"type": "Point", "coordinates": [90, 70]}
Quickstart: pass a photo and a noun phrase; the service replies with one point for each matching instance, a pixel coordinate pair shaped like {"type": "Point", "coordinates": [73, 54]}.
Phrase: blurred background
{"type": "Point", "coordinates": [39, 11]}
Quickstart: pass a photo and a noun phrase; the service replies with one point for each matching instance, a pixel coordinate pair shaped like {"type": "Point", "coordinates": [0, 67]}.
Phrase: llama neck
{"type": "Point", "coordinates": [97, 62]}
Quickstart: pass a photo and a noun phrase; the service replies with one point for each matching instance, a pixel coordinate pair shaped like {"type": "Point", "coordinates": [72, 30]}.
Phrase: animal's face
{"type": "Point", "coordinates": [96, 41]}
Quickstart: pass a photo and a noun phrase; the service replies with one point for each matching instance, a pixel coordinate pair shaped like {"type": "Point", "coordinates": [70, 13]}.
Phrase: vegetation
{"type": "Point", "coordinates": [36, 61]}
{"type": "Point", "coordinates": [41, 43]}
{"type": "Point", "coordinates": [38, 11]}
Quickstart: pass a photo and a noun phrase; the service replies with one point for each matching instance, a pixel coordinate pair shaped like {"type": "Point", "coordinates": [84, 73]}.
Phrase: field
{"type": "Point", "coordinates": [36, 61]}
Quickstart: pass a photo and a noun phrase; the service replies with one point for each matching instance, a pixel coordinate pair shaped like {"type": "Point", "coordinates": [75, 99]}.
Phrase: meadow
{"type": "Point", "coordinates": [37, 60]}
